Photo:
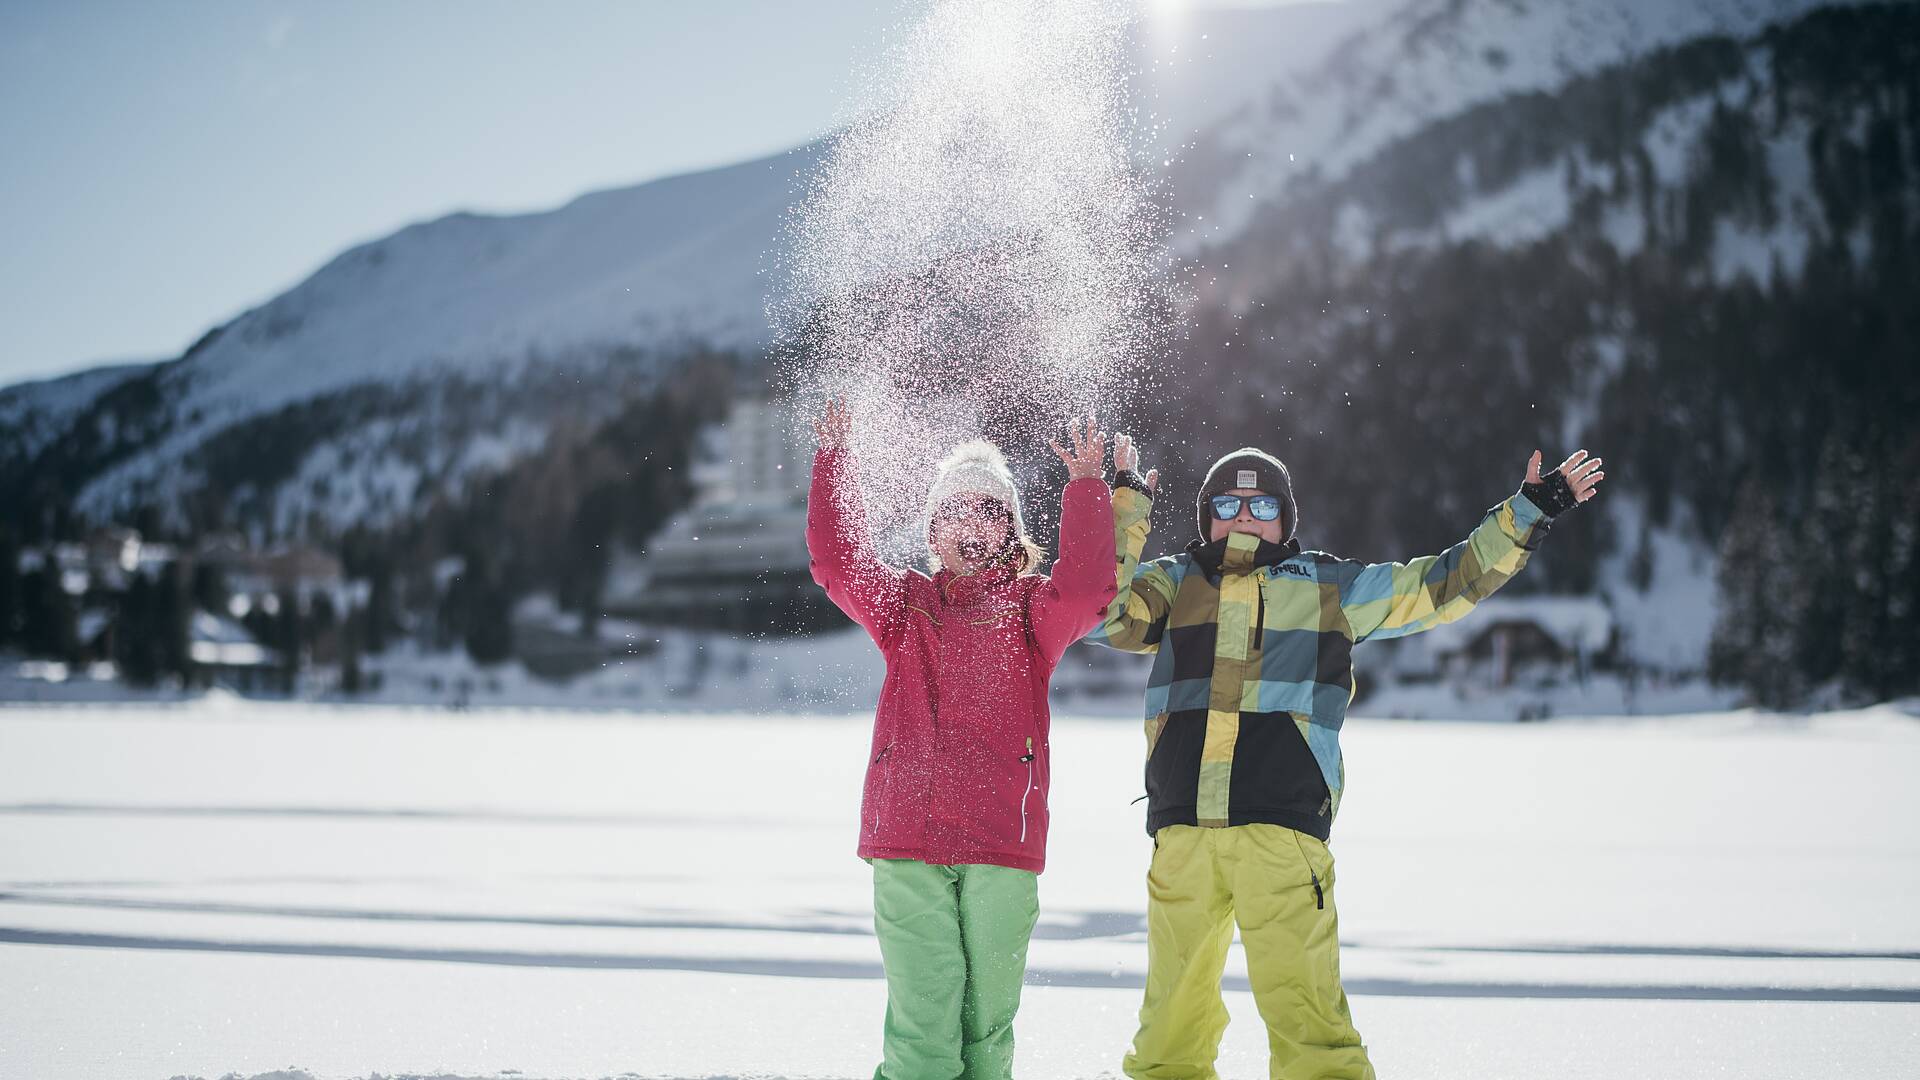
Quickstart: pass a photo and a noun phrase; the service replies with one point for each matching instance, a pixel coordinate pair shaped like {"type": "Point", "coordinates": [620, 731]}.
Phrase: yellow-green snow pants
{"type": "Point", "coordinates": [1202, 882]}
{"type": "Point", "coordinates": [953, 940]}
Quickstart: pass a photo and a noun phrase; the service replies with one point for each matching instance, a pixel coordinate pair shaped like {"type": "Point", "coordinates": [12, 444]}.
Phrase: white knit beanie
{"type": "Point", "coordinates": [977, 468]}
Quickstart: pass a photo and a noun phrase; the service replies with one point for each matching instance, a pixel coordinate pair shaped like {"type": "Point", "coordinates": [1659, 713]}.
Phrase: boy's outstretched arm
{"type": "Point", "coordinates": [1078, 591]}
{"type": "Point", "coordinates": [1137, 617]}
{"type": "Point", "coordinates": [1385, 600]}
{"type": "Point", "coordinates": [839, 549]}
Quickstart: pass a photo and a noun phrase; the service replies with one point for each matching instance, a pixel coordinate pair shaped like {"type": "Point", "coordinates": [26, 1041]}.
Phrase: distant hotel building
{"type": "Point", "coordinates": [737, 559]}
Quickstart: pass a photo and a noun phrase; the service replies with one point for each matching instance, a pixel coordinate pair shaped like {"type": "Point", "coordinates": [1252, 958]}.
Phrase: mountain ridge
{"type": "Point", "coordinates": [1628, 257]}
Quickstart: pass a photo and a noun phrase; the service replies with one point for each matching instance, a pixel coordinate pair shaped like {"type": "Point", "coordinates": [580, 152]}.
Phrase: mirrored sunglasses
{"type": "Point", "coordinates": [1263, 507]}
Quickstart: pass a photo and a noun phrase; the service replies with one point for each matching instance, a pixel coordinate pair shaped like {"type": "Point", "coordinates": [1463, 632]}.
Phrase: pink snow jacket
{"type": "Point", "coordinates": [959, 766]}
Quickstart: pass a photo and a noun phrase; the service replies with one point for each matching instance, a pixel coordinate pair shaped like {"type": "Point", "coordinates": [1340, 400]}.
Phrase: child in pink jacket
{"type": "Point", "coordinates": [954, 815]}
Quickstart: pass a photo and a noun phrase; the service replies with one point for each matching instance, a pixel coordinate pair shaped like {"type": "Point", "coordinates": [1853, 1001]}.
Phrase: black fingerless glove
{"type": "Point", "coordinates": [1553, 495]}
{"type": "Point", "coordinates": [1128, 478]}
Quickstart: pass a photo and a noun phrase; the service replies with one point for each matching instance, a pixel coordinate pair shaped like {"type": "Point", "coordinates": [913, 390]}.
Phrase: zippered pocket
{"type": "Point", "coordinates": [1028, 758]}
{"type": "Point", "coordinates": [1319, 897]}
{"type": "Point", "coordinates": [885, 790]}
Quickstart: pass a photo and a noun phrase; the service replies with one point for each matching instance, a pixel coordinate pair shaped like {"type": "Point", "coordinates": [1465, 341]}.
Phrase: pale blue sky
{"type": "Point", "coordinates": [167, 165]}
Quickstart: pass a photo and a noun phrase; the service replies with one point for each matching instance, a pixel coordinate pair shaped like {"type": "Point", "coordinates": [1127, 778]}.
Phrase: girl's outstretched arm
{"type": "Point", "coordinates": [839, 547]}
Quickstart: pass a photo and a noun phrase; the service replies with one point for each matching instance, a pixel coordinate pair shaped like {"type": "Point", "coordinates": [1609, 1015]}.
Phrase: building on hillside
{"type": "Point", "coordinates": [559, 645]}
{"type": "Point", "coordinates": [81, 568]}
{"type": "Point", "coordinates": [1505, 641]}
{"type": "Point", "coordinates": [225, 654]}
{"type": "Point", "coordinates": [113, 554]}
{"type": "Point", "coordinates": [259, 584]}
{"type": "Point", "coordinates": [256, 579]}
{"type": "Point", "coordinates": [737, 558]}
{"type": "Point", "coordinates": [240, 646]}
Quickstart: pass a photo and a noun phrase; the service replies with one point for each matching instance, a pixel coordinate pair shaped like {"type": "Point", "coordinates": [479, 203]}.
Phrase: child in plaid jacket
{"type": "Point", "coordinates": [1252, 675]}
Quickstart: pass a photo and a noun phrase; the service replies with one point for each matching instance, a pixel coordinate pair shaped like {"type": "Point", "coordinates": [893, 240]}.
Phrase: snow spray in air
{"type": "Point", "coordinates": [977, 256]}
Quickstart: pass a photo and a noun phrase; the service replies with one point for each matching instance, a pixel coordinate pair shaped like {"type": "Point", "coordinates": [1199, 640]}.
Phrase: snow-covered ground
{"type": "Point", "coordinates": [233, 887]}
{"type": "Point", "coordinates": [659, 669]}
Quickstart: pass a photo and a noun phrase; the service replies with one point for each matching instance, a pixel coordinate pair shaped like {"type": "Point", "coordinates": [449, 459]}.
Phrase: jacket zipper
{"type": "Point", "coordinates": [1028, 758]}
{"type": "Point", "coordinates": [886, 789]}
{"type": "Point", "coordinates": [1260, 612]}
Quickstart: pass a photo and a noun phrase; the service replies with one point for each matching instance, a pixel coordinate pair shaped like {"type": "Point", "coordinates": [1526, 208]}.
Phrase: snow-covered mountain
{"type": "Point", "coordinates": [33, 414]}
{"type": "Point", "coordinates": [613, 283]}
{"type": "Point", "coordinates": [1365, 153]}
{"type": "Point", "coordinates": [1405, 64]}
{"type": "Point", "coordinates": [606, 286]}
{"type": "Point", "coordinates": [1697, 259]}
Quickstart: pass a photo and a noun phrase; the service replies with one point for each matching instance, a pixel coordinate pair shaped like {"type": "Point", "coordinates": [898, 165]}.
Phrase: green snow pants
{"type": "Point", "coordinates": [954, 943]}
{"type": "Point", "coordinates": [1263, 876]}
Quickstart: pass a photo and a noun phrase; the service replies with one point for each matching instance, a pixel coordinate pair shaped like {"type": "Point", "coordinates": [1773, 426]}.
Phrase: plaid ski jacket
{"type": "Point", "coordinates": [1252, 670]}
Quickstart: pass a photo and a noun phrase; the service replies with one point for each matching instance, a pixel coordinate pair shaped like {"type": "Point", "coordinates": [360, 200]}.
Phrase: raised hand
{"type": "Point", "coordinates": [1582, 473]}
{"type": "Point", "coordinates": [833, 428]}
{"type": "Point", "coordinates": [1126, 456]}
{"type": "Point", "coordinates": [1089, 454]}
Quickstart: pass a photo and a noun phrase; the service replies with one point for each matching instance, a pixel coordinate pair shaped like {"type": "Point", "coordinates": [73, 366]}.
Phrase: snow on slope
{"type": "Point", "coordinates": [1421, 61]}
{"type": "Point", "coordinates": [680, 257]}
{"type": "Point", "coordinates": [33, 413]}
{"type": "Point", "coordinates": [1306, 87]}
{"type": "Point", "coordinates": [671, 262]}
{"type": "Point", "coordinates": [1539, 202]}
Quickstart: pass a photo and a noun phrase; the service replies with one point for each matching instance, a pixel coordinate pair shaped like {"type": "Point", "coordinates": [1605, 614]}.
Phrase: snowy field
{"type": "Point", "coordinates": [237, 888]}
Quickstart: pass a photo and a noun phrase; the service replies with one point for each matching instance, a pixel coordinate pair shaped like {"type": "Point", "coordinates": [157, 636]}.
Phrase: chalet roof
{"type": "Point", "coordinates": [1575, 623]}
